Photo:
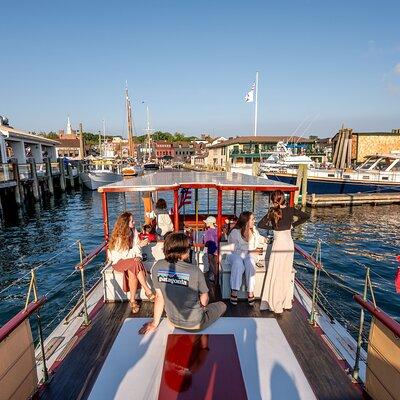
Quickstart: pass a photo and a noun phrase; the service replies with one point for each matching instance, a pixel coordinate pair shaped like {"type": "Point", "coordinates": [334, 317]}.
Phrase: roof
{"type": "Point", "coordinates": [191, 179]}
{"type": "Point", "coordinates": [392, 133]}
{"type": "Point", "coordinates": [69, 143]}
{"type": "Point", "coordinates": [18, 134]}
{"type": "Point", "coordinates": [260, 139]}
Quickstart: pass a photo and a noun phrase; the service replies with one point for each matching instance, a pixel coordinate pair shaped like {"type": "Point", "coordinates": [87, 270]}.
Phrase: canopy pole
{"type": "Point", "coordinates": [234, 202]}
{"type": "Point", "coordinates": [176, 210]}
{"type": "Point", "coordinates": [219, 230]}
{"type": "Point", "coordinates": [208, 200]}
{"type": "Point", "coordinates": [242, 201]}
{"type": "Point", "coordinates": [196, 210]}
{"type": "Point", "coordinates": [291, 201]}
{"type": "Point", "coordinates": [105, 215]}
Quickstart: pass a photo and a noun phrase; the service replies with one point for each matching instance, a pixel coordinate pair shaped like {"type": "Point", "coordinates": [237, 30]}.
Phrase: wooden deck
{"type": "Point", "coordinates": [77, 374]}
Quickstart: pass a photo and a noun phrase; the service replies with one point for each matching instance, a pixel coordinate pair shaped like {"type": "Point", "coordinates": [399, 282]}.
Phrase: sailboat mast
{"type": "Point", "coordinates": [148, 132]}
{"type": "Point", "coordinates": [104, 137]}
{"type": "Point", "coordinates": [131, 149]}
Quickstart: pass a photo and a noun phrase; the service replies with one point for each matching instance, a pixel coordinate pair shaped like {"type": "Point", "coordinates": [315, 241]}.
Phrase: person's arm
{"type": "Point", "coordinates": [301, 217]}
{"type": "Point", "coordinates": [264, 223]}
{"type": "Point", "coordinates": [158, 310]}
{"type": "Point", "coordinates": [203, 289]}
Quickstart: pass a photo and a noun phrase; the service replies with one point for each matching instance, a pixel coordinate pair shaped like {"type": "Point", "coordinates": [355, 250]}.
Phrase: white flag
{"type": "Point", "coordinates": [250, 95]}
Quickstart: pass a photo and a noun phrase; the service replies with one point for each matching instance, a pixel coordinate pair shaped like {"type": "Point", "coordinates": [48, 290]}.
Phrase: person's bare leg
{"type": "Point", "coordinates": [133, 284]}
{"type": "Point", "coordinates": [142, 279]}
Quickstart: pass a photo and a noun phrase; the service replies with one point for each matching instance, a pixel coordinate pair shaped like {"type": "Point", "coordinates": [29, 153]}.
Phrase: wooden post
{"type": "Point", "coordinates": [176, 210]}
{"type": "Point", "coordinates": [81, 142]}
{"type": "Point", "coordinates": [71, 176]}
{"type": "Point", "coordinates": [304, 186]}
{"type": "Point", "coordinates": [19, 192]}
{"type": "Point", "coordinates": [49, 175]}
{"type": "Point", "coordinates": [62, 174]}
{"type": "Point", "coordinates": [35, 182]}
{"type": "Point", "coordinates": [299, 179]}
{"type": "Point", "coordinates": [148, 206]}
{"type": "Point", "coordinates": [196, 211]}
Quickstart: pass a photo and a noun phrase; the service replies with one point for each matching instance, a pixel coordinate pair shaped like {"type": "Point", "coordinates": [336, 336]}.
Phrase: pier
{"type": "Point", "coordinates": [355, 199]}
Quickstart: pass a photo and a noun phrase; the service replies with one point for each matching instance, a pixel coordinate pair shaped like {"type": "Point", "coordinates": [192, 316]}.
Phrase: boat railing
{"type": "Point", "coordinates": [27, 356]}
{"type": "Point", "coordinates": [379, 336]}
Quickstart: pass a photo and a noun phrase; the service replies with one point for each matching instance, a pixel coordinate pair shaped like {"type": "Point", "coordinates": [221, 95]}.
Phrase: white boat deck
{"type": "Point", "coordinates": [133, 368]}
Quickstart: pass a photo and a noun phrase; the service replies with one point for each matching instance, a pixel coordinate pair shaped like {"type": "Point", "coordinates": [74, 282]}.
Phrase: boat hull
{"type": "Point", "coordinates": [94, 179]}
{"type": "Point", "coordinates": [337, 186]}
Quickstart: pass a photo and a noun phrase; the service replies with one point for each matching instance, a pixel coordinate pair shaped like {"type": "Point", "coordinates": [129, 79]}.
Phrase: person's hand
{"type": "Point", "coordinates": [147, 328]}
{"type": "Point", "coordinates": [143, 242]}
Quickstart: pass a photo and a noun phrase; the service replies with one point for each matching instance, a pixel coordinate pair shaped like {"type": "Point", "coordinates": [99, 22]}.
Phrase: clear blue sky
{"type": "Point", "coordinates": [330, 62]}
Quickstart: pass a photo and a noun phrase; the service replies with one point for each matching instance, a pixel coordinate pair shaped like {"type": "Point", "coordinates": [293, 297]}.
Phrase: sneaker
{"type": "Point", "coordinates": [264, 306]}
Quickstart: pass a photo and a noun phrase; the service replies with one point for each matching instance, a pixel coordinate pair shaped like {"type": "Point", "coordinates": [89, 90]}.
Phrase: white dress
{"type": "Point", "coordinates": [241, 260]}
{"type": "Point", "coordinates": [135, 251]}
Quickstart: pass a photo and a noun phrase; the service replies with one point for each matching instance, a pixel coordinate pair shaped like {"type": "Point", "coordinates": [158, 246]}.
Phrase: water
{"type": "Point", "coordinates": [367, 235]}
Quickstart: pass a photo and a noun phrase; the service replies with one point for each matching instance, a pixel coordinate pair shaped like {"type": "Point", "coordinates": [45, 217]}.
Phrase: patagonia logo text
{"type": "Point", "coordinates": [174, 278]}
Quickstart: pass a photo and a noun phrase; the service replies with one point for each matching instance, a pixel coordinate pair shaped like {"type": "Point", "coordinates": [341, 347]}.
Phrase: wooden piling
{"type": "Point", "coordinates": [62, 174]}
{"type": "Point", "coordinates": [35, 182]}
{"type": "Point", "coordinates": [19, 192]}
{"type": "Point", "coordinates": [49, 175]}
{"type": "Point", "coordinates": [304, 185]}
{"type": "Point", "coordinates": [71, 176]}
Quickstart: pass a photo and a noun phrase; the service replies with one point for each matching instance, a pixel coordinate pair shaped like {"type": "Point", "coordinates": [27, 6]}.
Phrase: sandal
{"type": "Point", "coordinates": [151, 296]}
{"type": "Point", "coordinates": [234, 299]}
{"type": "Point", "coordinates": [251, 300]}
{"type": "Point", "coordinates": [135, 307]}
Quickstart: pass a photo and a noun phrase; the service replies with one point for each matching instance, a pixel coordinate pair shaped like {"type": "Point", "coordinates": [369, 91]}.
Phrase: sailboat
{"type": "Point", "coordinates": [100, 171]}
{"type": "Point", "coordinates": [149, 163]}
{"type": "Point", "coordinates": [131, 168]}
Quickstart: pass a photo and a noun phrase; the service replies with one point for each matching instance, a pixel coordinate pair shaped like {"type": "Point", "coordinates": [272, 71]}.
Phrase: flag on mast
{"type": "Point", "coordinates": [249, 98]}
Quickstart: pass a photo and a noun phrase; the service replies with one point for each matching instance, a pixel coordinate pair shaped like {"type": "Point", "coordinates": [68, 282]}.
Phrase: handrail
{"type": "Point", "coordinates": [307, 256]}
{"type": "Point", "coordinates": [91, 256]}
{"type": "Point", "coordinates": [386, 320]}
{"type": "Point", "coordinates": [17, 320]}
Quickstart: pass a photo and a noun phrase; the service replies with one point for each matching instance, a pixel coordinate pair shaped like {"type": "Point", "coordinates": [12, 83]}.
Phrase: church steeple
{"type": "Point", "coordinates": [69, 127]}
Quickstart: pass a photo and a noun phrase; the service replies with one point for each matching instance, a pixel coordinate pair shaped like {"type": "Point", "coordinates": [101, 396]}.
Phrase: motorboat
{"type": "Point", "coordinates": [99, 172]}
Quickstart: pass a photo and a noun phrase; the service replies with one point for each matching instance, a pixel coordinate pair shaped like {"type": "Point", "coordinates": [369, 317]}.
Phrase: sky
{"type": "Point", "coordinates": [321, 64]}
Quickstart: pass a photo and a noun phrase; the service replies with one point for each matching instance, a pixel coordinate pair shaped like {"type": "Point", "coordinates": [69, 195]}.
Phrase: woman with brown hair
{"type": "Point", "coordinates": [125, 254]}
{"type": "Point", "coordinates": [245, 240]}
{"type": "Point", "coordinates": [279, 284]}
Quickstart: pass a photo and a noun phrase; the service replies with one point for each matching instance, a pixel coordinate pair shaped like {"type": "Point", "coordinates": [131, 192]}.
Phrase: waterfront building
{"type": "Point", "coordinates": [70, 144]}
{"type": "Point", "coordinates": [183, 151]}
{"type": "Point", "coordinates": [21, 145]}
{"type": "Point", "coordinates": [364, 144]}
{"type": "Point", "coordinates": [164, 150]}
{"type": "Point", "coordinates": [245, 150]}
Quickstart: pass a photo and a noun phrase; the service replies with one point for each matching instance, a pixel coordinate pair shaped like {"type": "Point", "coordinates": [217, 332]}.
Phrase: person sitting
{"type": "Point", "coordinates": [245, 239]}
{"type": "Point", "coordinates": [162, 218]}
{"type": "Point", "coordinates": [210, 240]}
{"type": "Point", "coordinates": [182, 289]}
{"type": "Point", "coordinates": [148, 233]}
{"type": "Point", "coordinates": [125, 254]}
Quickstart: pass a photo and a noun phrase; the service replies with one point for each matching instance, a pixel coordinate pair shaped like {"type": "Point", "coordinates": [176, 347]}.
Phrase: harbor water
{"type": "Point", "coordinates": [45, 236]}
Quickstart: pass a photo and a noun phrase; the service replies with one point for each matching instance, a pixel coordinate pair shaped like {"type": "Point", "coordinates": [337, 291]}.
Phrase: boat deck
{"type": "Point", "coordinates": [113, 325]}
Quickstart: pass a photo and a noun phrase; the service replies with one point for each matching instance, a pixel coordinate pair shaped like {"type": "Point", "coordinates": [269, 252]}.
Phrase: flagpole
{"type": "Point", "coordinates": [256, 107]}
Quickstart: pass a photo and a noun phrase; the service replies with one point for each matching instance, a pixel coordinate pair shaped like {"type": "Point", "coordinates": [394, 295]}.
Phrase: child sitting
{"type": "Point", "coordinates": [162, 218]}
{"type": "Point", "coordinates": [210, 240]}
{"type": "Point", "coordinates": [148, 233]}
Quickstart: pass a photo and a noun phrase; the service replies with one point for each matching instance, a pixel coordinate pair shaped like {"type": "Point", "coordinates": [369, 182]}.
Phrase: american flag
{"type": "Point", "coordinates": [185, 197]}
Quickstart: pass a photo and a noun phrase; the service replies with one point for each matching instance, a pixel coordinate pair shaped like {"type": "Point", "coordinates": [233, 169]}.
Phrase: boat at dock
{"type": "Point", "coordinates": [95, 352]}
{"type": "Point", "coordinates": [99, 172]}
{"type": "Point", "coordinates": [378, 173]}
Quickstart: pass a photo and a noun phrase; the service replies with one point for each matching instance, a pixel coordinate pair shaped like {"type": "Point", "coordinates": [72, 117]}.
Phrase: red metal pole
{"type": "Point", "coordinates": [291, 201]}
{"type": "Point", "coordinates": [176, 210]}
{"type": "Point", "coordinates": [219, 231]}
{"type": "Point", "coordinates": [105, 215]}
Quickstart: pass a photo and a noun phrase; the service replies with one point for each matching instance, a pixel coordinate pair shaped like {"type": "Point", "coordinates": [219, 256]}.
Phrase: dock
{"type": "Point", "coordinates": [353, 199]}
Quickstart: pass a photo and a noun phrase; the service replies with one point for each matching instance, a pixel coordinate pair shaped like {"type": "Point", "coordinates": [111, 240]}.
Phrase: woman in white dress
{"type": "Point", "coordinates": [279, 284]}
{"type": "Point", "coordinates": [246, 241]}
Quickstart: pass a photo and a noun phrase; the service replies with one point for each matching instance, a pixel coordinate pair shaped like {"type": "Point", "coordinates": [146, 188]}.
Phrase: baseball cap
{"type": "Point", "coordinates": [210, 220]}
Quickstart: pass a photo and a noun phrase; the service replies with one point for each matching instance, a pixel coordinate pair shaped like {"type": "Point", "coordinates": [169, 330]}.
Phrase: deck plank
{"type": "Point", "coordinates": [78, 372]}
{"type": "Point", "coordinates": [327, 379]}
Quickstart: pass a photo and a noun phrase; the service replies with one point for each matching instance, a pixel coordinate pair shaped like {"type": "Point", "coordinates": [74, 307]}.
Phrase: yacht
{"type": "Point", "coordinates": [99, 172]}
